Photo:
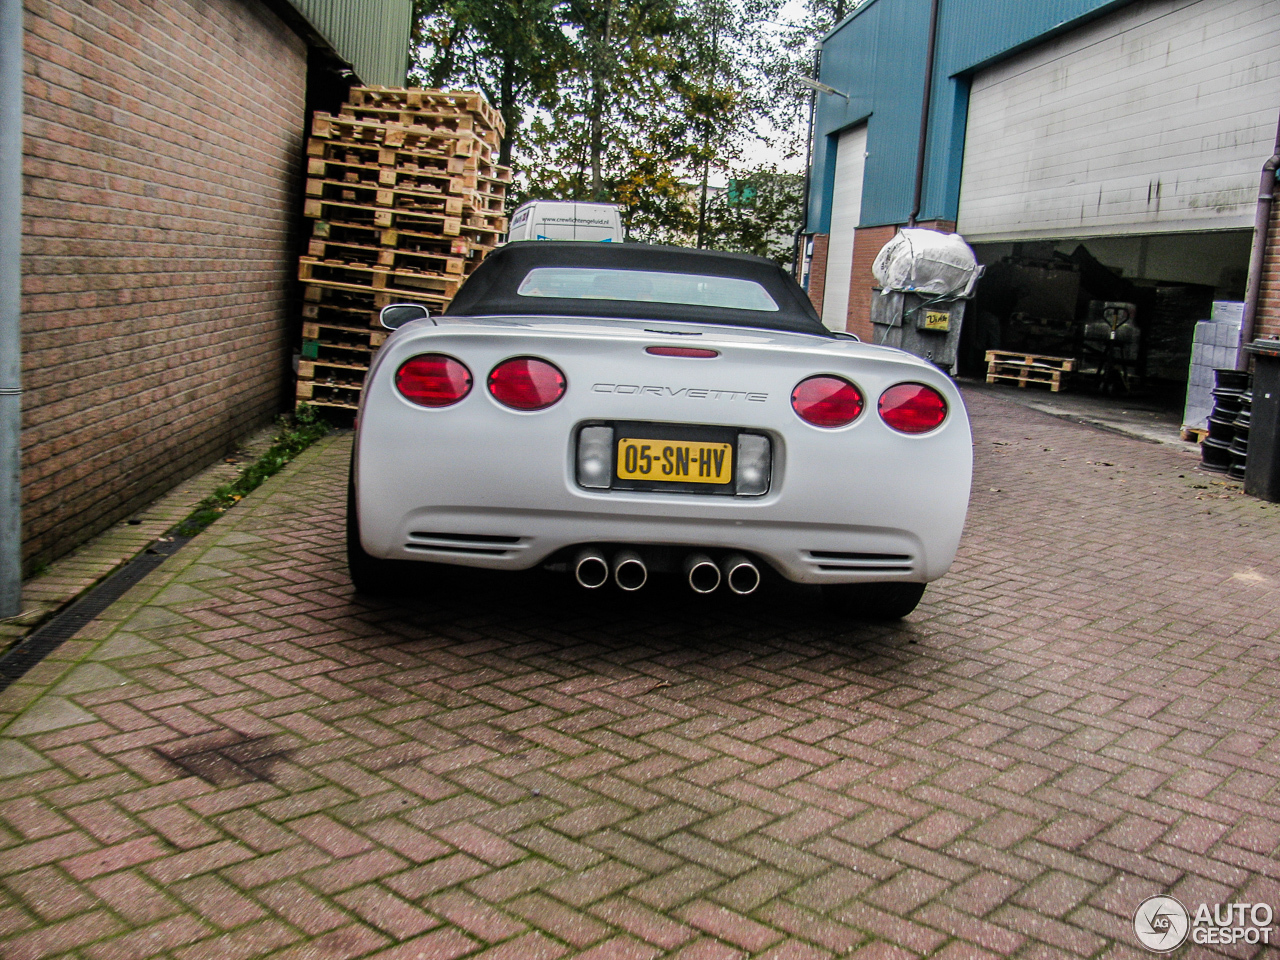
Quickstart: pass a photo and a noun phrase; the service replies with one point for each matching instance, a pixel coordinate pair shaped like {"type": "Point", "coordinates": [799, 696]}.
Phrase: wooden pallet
{"type": "Point", "coordinates": [406, 201]}
{"type": "Point", "coordinates": [324, 175]}
{"type": "Point", "coordinates": [439, 221]}
{"type": "Point", "coordinates": [363, 193]}
{"type": "Point", "coordinates": [485, 223]}
{"type": "Point", "coordinates": [409, 149]}
{"type": "Point", "coordinates": [1193, 434]}
{"type": "Point", "coordinates": [339, 315]}
{"type": "Point", "coordinates": [341, 252]}
{"type": "Point", "coordinates": [349, 305]}
{"type": "Point", "coordinates": [1024, 368]}
{"type": "Point", "coordinates": [436, 177]}
{"type": "Point", "coordinates": [386, 237]}
{"type": "Point", "coordinates": [338, 336]}
{"type": "Point", "coordinates": [361, 276]}
{"type": "Point", "coordinates": [437, 122]}
{"type": "Point", "coordinates": [333, 371]}
{"type": "Point", "coordinates": [326, 395]}
{"type": "Point", "coordinates": [417, 98]}
{"type": "Point", "coordinates": [442, 142]}
{"type": "Point", "coordinates": [324, 155]}
{"type": "Point", "coordinates": [366, 235]}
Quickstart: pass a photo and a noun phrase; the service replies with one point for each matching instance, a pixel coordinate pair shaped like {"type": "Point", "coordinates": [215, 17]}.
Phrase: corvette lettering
{"type": "Point", "coordinates": [694, 393]}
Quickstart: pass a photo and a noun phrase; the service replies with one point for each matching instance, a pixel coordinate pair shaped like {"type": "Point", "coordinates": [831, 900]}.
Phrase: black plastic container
{"type": "Point", "coordinates": [1222, 429]}
{"type": "Point", "coordinates": [1228, 402]}
{"type": "Point", "coordinates": [1240, 443]}
{"type": "Point", "coordinates": [1215, 455]}
{"type": "Point", "coordinates": [1228, 379]}
{"type": "Point", "coordinates": [1262, 475]}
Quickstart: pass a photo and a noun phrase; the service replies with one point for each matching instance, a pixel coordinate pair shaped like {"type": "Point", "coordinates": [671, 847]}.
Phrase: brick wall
{"type": "Point", "coordinates": [867, 242]}
{"type": "Point", "coordinates": [1267, 320]}
{"type": "Point", "coordinates": [818, 270]}
{"type": "Point", "coordinates": [162, 152]}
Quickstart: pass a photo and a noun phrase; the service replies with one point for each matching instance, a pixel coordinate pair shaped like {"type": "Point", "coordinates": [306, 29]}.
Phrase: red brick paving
{"type": "Point", "coordinates": [241, 759]}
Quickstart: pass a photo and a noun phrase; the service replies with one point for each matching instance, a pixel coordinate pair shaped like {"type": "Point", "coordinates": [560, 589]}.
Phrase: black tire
{"type": "Point", "coordinates": [371, 576]}
{"type": "Point", "coordinates": [873, 601]}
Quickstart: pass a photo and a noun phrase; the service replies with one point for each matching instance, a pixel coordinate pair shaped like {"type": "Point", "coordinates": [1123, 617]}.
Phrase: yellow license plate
{"type": "Point", "coordinates": [937, 320]}
{"type": "Point", "coordinates": [685, 461]}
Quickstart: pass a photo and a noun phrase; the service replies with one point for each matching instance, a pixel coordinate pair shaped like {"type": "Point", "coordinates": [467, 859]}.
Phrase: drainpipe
{"type": "Point", "coordinates": [924, 113]}
{"type": "Point", "coordinates": [796, 252]}
{"type": "Point", "coordinates": [10, 306]}
{"type": "Point", "coordinates": [1261, 225]}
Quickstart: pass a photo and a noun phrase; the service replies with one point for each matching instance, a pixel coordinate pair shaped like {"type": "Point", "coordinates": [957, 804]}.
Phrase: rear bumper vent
{"type": "Point", "coordinates": [833, 560]}
{"type": "Point", "coordinates": [466, 544]}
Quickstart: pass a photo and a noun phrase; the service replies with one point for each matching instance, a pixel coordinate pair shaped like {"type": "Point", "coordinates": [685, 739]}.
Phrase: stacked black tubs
{"type": "Point", "coordinates": [1216, 450]}
{"type": "Point", "coordinates": [1240, 442]}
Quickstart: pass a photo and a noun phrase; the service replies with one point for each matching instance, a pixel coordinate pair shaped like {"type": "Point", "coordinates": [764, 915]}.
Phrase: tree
{"type": "Point", "coordinates": [791, 54]}
{"type": "Point", "coordinates": [512, 51]}
{"type": "Point", "coordinates": [757, 214]}
{"type": "Point", "coordinates": [660, 94]}
{"type": "Point", "coordinates": [637, 102]}
{"type": "Point", "coordinates": [614, 135]}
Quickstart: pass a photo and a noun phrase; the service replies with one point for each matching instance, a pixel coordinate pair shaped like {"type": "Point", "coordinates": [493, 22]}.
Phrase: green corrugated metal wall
{"type": "Point", "coordinates": [372, 35]}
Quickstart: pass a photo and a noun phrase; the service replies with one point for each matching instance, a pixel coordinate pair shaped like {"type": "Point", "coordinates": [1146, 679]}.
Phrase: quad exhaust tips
{"type": "Point", "coordinates": [591, 569]}
{"type": "Point", "coordinates": [629, 571]}
{"type": "Point", "coordinates": [702, 573]}
{"type": "Point", "coordinates": [742, 576]}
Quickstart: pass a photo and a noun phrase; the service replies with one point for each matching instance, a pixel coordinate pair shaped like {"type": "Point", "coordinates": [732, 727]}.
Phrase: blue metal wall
{"type": "Point", "coordinates": [877, 56]}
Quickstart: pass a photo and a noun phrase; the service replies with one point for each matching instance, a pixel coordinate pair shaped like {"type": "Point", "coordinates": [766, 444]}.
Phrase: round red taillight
{"type": "Point", "coordinates": [826, 401]}
{"type": "Point", "coordinates": [912, 408]}
{"type": "Point", "coordinates": [433, 380]}
{"type": "Point", "coordinates": [526, 383]}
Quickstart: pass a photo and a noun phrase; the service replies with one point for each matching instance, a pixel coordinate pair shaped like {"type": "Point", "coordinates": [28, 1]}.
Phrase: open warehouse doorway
{"type": "Point", "coordinates": [1068, 297]}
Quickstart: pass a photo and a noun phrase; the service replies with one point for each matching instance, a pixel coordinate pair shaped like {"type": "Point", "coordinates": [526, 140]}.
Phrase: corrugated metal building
{"type": "Point", "coordinates": [1072, 142]}
{"type": "Point", "coordinates": [370, 35]}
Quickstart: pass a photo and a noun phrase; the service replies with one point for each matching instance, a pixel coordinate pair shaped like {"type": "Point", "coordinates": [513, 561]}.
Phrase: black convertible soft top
{"type": "Point", "coordinates": [491, 290]}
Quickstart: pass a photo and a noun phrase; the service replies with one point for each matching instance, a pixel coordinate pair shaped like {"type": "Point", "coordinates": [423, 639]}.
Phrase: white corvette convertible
{"type": "Point", "coordinates": [618, 410]}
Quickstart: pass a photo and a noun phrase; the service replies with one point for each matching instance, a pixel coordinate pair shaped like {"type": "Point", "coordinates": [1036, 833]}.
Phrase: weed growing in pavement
{"type": "Point", "coordinates": [295, 433]}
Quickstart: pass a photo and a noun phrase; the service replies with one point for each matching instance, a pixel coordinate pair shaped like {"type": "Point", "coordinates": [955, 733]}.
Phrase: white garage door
{"type": "Point", "coordinates": [846, 210]}
{"type": "Point", "coordinates": [1157, 118]}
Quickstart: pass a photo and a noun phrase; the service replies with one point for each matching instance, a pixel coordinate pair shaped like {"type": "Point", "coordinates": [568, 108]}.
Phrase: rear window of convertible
{"type": "Point", "coordinates": [646, 286]}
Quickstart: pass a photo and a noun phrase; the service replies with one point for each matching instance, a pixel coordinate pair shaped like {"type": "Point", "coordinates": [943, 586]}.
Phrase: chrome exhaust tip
{"type": "Point", "coordinates": [702, 573]}
{"type": "Point", "coordinates": [742, 576]}
{"type": "Point", "coordinates": [629, 571]}
{"type": "Point", "coordinates": [591, 569]}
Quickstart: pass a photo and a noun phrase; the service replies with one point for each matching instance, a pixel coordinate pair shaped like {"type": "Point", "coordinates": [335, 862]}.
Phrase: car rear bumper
{"type": "Point", "coordinates": [520, 539]}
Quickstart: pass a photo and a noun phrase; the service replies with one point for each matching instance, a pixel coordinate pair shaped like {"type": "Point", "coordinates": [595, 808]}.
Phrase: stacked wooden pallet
{"type": "Point", "coordinates": [1023, 368]}
{"type": "Point", "coordinates": [404, 201]}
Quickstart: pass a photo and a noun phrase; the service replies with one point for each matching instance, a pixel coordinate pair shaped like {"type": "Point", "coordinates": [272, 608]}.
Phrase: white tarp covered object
{"type": "Point", "coordinates": [928, 263]}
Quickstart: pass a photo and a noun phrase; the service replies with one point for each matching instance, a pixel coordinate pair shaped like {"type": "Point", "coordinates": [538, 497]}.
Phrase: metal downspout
{"type": "Point", "coordinates": [918, 198]}
{"type": "Point", "coordinates": [1261, 227]}
{"type": "Point", "coordinates": [10, 306]}
{"type": "Point", "coordinates": [797, 254]}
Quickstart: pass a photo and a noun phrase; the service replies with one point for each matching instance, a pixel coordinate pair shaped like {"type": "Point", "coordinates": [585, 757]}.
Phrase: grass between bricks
{"type": "Point", "coordinates": [295, 433]}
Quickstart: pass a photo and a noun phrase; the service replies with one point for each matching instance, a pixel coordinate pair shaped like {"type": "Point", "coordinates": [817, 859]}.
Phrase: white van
{"type": "Point", "coordinates": [566, 220]}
